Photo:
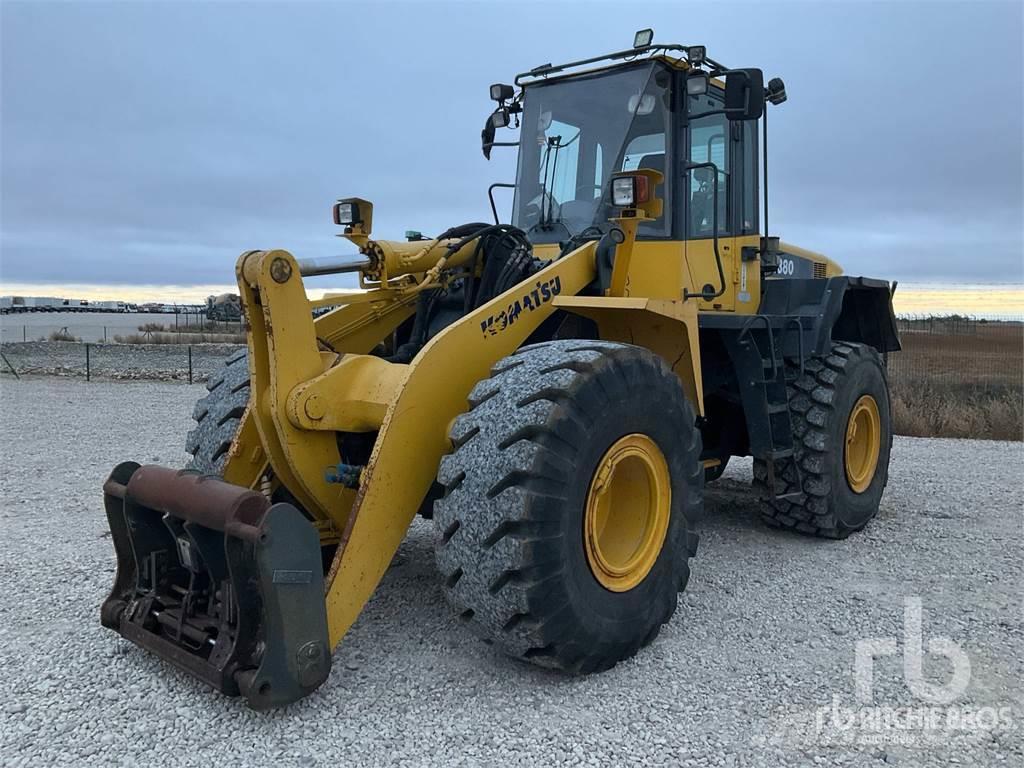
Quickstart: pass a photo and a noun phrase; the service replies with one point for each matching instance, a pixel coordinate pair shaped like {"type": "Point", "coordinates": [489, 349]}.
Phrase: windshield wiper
{"type": "Point", "coordinates": [546, 206]}
{"type": "Point", "coordinates": [553, 142]}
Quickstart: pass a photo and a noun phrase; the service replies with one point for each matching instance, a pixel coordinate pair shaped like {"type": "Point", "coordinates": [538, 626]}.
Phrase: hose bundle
{"type": "Point", "coordinates": [507, 260]}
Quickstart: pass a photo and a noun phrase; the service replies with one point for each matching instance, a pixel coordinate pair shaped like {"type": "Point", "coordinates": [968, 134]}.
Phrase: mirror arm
{"type": "Point", "coordinates": [490, 196]}
{"type": "Point", "coordinates": [488, 144]}
{"type": "Point", "coordinates": [725, 111]}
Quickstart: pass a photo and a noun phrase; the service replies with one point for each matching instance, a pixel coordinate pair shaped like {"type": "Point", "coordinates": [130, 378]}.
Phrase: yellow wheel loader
{"type": "Point", "coordinates": [553, 392]}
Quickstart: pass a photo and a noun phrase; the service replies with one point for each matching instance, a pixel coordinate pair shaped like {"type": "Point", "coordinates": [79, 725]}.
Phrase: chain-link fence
{"type": "Point", "coordinates": [184, 362]}
{"type": "Point", "coordinates": [959, 350]}
{"type": "Point", "coordinates": [959, 377]}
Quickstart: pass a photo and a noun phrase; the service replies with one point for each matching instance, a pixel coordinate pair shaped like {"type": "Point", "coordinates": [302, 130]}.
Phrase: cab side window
{"type": "Point", "coordinates": [709, 142]}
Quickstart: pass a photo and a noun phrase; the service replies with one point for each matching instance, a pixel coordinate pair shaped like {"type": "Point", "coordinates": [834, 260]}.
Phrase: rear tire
{"type": "Point", "coordinates": [821, 402]}
{"type": "Point", "coordinates": [510, 536]}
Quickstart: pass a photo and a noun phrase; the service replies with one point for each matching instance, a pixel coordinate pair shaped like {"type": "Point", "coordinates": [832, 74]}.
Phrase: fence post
{"type": "Point", "coordinates": [15, 372]}
{"type": "Point", "coordinates": [87, 372]}
{"type": "Point", "coordinates": [24, 333]}
{"type": "Point", "coordinates": [189, 363]}
{"type": "Point", "coordinates": [104, 334]}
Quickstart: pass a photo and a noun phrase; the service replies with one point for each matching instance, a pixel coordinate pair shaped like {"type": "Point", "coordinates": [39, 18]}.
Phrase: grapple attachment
{"type": "Point", "coordinates": [218, 581]}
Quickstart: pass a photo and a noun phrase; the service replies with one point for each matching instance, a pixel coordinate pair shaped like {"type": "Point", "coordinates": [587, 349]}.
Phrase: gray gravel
{"type": "Point", "coordinates": [764, 637]}
{"type": "Point", "coordinates": [115, 361]}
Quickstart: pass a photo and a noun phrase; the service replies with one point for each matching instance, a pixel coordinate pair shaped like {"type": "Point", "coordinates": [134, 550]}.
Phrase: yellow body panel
{"type": "Point", "coordinates": [351, 396]}
{"type": "Point", "coordinates": [664, 269]}
{"type": "Point", "coordinates": [667, 328]}
{"type": "Point", "coordinates": [831, 268]}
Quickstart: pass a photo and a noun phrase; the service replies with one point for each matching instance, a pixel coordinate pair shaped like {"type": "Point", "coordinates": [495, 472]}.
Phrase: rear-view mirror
{"type": "Point", "coordinates": [744, 94]}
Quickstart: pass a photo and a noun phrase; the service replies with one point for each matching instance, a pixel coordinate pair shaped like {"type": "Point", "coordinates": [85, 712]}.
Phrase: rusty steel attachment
{"type": "Point", "coordinates": [219, 581]}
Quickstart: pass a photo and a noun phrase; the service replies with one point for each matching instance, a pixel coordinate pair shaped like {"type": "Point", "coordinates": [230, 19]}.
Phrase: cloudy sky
{"type": "Point", "coordinates": [151, 143]}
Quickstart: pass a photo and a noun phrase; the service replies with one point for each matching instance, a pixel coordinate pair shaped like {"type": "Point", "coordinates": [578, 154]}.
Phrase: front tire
{"type": "Point", "coordinates": [532, 538]}
{"type": "Point", "coordinates": [840, 395]}
{"type": "Point", "coordinates": [218, 414]}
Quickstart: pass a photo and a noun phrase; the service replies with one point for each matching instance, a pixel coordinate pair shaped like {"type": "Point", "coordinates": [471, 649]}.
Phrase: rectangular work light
{"type": "Point", "coordinates": [502, 92]}
{"type": "Point", "coordinates": [346, 214]}
{"type": "Point", "coordinates": [643, 38]}
{"type": "Point", "coordinates": [696, 83]}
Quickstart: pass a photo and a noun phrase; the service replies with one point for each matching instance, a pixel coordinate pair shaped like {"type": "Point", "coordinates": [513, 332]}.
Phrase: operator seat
{"type": "Point", "coordinates": [701, 202]}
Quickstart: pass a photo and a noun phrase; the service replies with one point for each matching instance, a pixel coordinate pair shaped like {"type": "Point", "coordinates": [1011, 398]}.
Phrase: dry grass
{"type": "Point", "coordinates": [195, 337]}
{"type": "Point", "coordinates": [208, 332]}
{"type": "Point", "coordinates": [208, 326]}
{"type": "Point", "coordinates": [956, 379]}
{"type": "Point", "coordinates": [937, 408]}
{"type": "Point", "coordinates": [62, 335]}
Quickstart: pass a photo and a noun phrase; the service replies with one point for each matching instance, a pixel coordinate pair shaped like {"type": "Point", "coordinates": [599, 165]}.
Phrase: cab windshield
{"type": "Point", "coordinates": [575, 133]}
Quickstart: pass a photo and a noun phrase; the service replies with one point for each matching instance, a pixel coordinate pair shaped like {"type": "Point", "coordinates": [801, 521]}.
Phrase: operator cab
{"type": "Point", "coordinates": [667, 108]}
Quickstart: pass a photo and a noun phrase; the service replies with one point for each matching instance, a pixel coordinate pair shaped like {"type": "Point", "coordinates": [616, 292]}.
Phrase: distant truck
{"type": "Point", "coordinates": [225, 308]}
{"type": "Point", "coordinates": [30, 304]}
{"type": "Point", "coordinates": [56, 304]}
{"type": "Point", "coordinates": [108, 306]}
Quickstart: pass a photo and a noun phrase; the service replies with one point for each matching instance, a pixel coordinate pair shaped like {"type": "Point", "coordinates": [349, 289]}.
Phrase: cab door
{"type": "Point", "coordinates": [731, 146]}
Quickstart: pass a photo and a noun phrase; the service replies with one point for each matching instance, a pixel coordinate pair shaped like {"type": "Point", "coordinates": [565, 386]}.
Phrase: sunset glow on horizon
{"type": "Point", "coordinates": [994, 301]}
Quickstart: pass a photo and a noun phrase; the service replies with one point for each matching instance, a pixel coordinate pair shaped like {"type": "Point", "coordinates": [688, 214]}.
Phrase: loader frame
{"type": "Point", "coordinates": [323, 377]}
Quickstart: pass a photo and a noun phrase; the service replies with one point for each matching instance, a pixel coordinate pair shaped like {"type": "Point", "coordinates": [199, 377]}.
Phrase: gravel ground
{"type": "Point", "coordinates": [760, 648]}
{"type": "Point", "coordinates": [115, 361]}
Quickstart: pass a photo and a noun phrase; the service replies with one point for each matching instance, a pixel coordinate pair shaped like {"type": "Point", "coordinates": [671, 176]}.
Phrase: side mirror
{"type": "Point", "coordinates": [487, 136]}
{"type": "Point", "coordinates": [499, 118]}
{"type": "Point", "coordinates": [744, 94]}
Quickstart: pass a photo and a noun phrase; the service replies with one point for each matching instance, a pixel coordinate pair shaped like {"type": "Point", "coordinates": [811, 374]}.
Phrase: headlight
{"type": "Point", "coordinates": [622, 192]}
{"type": "Point", "coordinates": [630, 191]}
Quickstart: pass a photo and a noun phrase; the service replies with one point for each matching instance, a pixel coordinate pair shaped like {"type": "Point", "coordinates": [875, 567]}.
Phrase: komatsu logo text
{"type": "Point", "coordinates": [541, 294]}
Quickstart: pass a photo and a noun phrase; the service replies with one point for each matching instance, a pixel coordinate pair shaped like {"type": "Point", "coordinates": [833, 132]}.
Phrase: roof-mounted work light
{"type": "Point", "coordinates": [501, 92]}
{"type": "Point", "coordinates": [776, 91]}
{"type": "Point", "coordinates": [643, 38]}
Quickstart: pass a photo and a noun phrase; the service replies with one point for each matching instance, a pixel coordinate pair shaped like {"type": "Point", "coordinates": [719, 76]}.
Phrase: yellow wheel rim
{"type": "Point", "coordinates": [863, 443]}
{"type": "Point", "coordinates": [628, 508]}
